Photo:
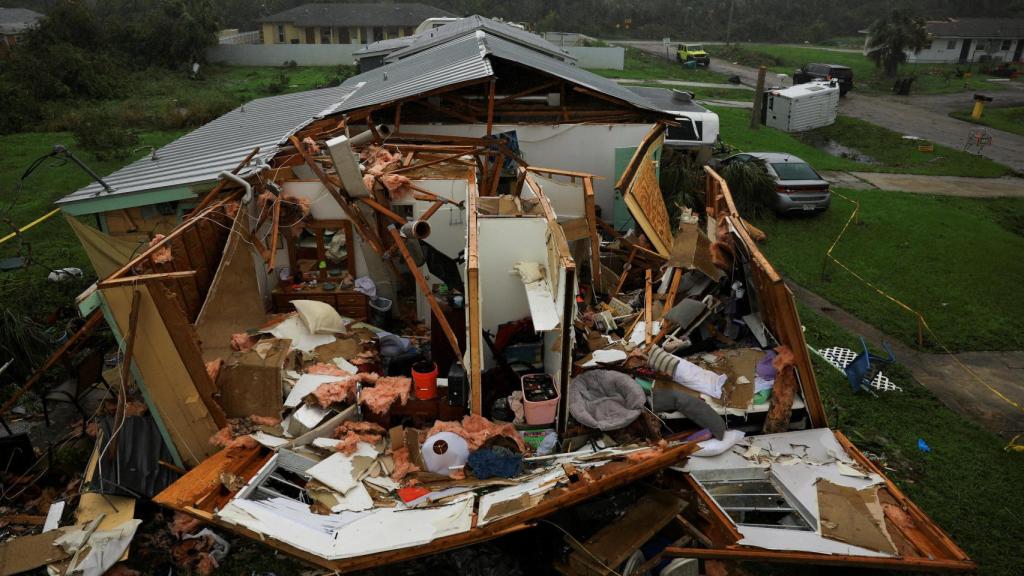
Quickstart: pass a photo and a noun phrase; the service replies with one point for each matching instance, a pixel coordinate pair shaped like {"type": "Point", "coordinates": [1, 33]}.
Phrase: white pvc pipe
{"type": "Point", "coordinates": [241, 182]}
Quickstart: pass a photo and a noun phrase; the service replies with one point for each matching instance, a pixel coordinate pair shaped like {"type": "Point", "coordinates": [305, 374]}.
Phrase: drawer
{"type": "Point", "coordinates": [355, 312]}
{"type": "Point", "coordinates": [351, 299]}
{"type": "Point", "coordinates": [321, 297]}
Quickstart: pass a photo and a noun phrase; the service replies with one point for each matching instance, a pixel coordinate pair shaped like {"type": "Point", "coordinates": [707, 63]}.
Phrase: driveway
{"type": "Point", "coordinates": [961, 186]}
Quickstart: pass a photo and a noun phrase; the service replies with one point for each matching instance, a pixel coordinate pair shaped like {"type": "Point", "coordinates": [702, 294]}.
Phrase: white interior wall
{"type": "Point", "coordinates": [566, 197]}
{"type": "Point", "coordinates": [501, 242]}
{"type": "Point", "coordinates": [586, 148]}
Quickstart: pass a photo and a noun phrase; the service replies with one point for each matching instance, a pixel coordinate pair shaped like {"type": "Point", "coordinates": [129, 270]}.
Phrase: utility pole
{"type": "Point", "coordinates": [755, 114]}
{"type": "Point", "coordinates": [728, 25]}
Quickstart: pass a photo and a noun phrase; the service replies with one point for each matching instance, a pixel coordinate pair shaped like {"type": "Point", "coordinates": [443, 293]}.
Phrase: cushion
{"type": "Point", "coordinates": [605, 399]}
{"type": "Point", "coordinates": [319, 317]}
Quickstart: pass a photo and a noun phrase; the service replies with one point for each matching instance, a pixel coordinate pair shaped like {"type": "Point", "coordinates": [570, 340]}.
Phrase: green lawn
{"type": "Point", "coordinates": [930, 78]}
{"type": "Point", "coordinates": [965, 483]}
{"type": "Point", "coordinates": [1009, 119]}
{"type": "Point", "coordinates": [640, 65]}
{"type": "Point", "coordinates": [160, 99]}
{"type": "Point", "coordinates": [892, 153]}
{"type": "Point", "coordinates": [50, 244]}
{"type": "Point", "coordinates": [956, 260]}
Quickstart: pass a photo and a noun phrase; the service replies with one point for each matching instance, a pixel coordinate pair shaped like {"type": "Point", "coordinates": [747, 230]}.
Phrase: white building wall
{"type": "Point", "coordinates": [947, 50]}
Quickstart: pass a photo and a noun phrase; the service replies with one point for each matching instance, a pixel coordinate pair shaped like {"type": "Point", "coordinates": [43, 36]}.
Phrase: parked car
{"type": "Point", "coordinates": [843, 75]}
{"type": "Point", "coordinates": [798, 187]}
{"type": "Point", "coordinates": [695, 53]}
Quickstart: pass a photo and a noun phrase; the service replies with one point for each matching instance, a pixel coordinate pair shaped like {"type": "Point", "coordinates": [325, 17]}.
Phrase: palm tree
{"type": "Point", "coordinates": [892, 37]}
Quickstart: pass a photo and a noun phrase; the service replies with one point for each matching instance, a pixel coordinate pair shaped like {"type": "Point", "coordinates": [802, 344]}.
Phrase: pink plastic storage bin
{"type": "Point", "coordinates": [540, 399]}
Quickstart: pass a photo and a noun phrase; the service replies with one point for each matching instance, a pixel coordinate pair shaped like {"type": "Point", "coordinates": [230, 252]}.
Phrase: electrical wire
{"type": "Point", "coordinates": [581, 546]}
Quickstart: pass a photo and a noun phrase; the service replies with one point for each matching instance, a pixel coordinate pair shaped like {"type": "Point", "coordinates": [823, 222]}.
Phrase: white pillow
{"type": "Point", "coordinates": [714, 447]}
{"type": "Point", "coordinates": [319, 317]}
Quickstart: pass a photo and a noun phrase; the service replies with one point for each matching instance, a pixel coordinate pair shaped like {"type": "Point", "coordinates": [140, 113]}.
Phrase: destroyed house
{"type": "Point", "coordinates": [385, 51]}
{"type": "Point", "coordinates": [453, 303]}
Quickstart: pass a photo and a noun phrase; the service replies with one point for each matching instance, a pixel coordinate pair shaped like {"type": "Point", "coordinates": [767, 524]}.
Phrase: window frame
{"type": "Point", "coordinates": [281, 37]}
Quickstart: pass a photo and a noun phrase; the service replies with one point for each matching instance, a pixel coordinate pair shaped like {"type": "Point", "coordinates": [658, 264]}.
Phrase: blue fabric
{"type": "Point", "coordinates": [496, 462]}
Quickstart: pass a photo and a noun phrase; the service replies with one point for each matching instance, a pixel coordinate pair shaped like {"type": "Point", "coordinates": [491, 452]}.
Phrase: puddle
{"type": "Point", "coordinates": [838, 150]}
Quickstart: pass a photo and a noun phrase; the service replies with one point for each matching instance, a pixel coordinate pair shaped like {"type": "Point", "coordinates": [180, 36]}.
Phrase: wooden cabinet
{"type": "Point", "coordinates": [347, 302]}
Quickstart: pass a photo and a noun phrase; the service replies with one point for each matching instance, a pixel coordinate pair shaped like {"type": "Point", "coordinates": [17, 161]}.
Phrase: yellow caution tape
{"type": "Point", "coordinates": [30, 225]}
{"type": "Point", "coordinates": [920, 318]}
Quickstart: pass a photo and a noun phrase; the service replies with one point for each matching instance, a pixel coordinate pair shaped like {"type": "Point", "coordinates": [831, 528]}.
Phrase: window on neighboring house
{"type": "Point", "coordinates": [378, 33]}
{"type": "Point", "coordinates": [280, 34]}
{"type": "Point", "coordinates": [951, 45]}
{"type": "Point", "coordinates": [364, 35]}
{"type": "Point", "coordinates": [394, 31]}
{"type": "Point", "coordinates": [928, 46]}
{"type": "Point", "coordinates": [343, 36]}
{"type": "Point", "coordinates": [408, 31]}
{"type": "Point", "coordinates": [325, 35]}
{"type": "Point", "coordinates": [1006, 45]}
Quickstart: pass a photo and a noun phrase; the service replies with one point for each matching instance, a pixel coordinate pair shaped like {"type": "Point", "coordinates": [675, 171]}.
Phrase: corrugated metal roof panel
{"type": "Point", "coordinates": [220, 145]}
{"type": "Point", "coordinates": [467, 58]}
{"type": "Point", "coordinates": [460, 60]}
{"type": "Point", "coordinates": [512, 52]}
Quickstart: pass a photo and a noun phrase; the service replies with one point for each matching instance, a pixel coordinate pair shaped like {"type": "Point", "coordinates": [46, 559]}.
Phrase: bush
{"type": "Point", "coordinates": [279, 84]}
{"type": "Point", "coordinates": [682, 183]}
{"type": "Point", "coordinates": [103, 133]}
{"type": "Point", "coordinates": [18, 109]}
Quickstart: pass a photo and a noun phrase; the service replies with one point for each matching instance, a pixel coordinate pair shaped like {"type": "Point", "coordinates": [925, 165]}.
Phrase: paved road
{"type": "Point", "coordinates": [906, 118]}
{"type": "Point", "coordinates": [961, 186]}
{"type": "Point", "coordinates": [925, 116]}
{"type": "Point", "coordinates": [944, 374]}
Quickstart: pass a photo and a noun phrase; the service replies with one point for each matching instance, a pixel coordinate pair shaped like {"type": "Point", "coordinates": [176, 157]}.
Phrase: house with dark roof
{"type": "Point", "coordinates": [13, 23]}
{"type": "Point", "coordinates": [966, 40]}
{"type": "Point", "coordinates": [346, 23]}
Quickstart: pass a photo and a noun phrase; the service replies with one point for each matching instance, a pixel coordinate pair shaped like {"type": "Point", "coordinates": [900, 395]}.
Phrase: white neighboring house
{"type": "Point", "coordinates": [14, 22]}
{"type": "Point", "coordinates": [967, 40]}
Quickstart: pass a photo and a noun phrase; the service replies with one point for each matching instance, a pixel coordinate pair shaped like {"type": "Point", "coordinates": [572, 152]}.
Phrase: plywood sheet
{"type": "Point", "coordinates": [251, 384]}
{"type": "Point", "coordinates": [233, 303]}
{"type": "Point", "coordinates": [852, 516]}
{"type": "Point", "coordinates": [642, 194]}
{"type": "Point", "coordinates": [167, 386]}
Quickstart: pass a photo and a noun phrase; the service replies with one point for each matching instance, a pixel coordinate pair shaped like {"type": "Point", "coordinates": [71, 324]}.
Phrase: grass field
{"type": "Point", "coordinates": [930, 78]}
{"type": "Point", "coordinates": [1009, 119]}
{"type": "Point", "coordinates": [958, 482]}
{"type": "Point", "coordinates": [892, 153]}
{"type": "Point", "coordinates": [640, 65]}
{"type": "Point", "coordinates": [956, 260]}
{"type": "Point", "coordinates": [159, 106]}
{"type": "Point", "coordinates": [160, 99]}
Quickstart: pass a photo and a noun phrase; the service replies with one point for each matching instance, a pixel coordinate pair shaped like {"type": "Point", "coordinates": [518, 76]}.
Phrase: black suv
{"type": "Point", "coordinates": [841, 74]}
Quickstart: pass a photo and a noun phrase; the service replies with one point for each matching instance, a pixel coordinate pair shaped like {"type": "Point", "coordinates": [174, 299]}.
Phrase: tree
{"type": "Point", "coordinates": [890, 38]}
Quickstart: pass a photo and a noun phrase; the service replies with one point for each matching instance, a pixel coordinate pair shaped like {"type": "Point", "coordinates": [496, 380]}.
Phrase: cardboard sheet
{"type": "Point", "coordinates": [845, 516]}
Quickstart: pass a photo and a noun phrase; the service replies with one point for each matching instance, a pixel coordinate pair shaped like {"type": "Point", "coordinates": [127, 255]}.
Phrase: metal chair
{"type": "Point", "coordinates": [866, 366]}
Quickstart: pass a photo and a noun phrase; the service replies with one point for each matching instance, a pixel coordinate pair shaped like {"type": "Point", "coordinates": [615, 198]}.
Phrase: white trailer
{"type": "Point", "coordinates": [802, 107]}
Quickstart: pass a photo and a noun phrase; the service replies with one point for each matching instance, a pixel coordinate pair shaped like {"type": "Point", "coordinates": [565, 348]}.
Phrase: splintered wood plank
{"type": "Point", "coordinates": [614, 543]}
{"type": "Point", "coordinates": [604, 478]}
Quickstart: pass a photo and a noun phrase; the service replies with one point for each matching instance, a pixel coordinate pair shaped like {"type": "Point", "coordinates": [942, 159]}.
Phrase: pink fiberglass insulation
{"type": "Point", "coordinates": [162, 254]}
{"type": "Point", "coordinates": [242, 342]}
{"type": "Point", "coordinates": [342, 390]}
{"type": "Point", "coordinates": [183, 524]}
{"type": "Point", "coordinates": [231, 209]}
{"type": "Point", "coordinates": [351, 433]}
{"type": "Point", "coordinates": [235, 435]}
{"type": "Point", "coordinates": [784, 358]}
{"type": "Point", "coordinates": [403, 465]}
{"type": "Point", "coordinates": [213, 368]}
{"type": "Point", "coordinates": [369, 180]}
{"type": "Point", "coordinates": [476, 430]}
{"type": "Point", "coordinates": [384, 392]}
{"type": "Point", "coordinates": [327, 370]}
{"type": "Point", "coordinates": [397, 185]}
{"type": "Point", "coordinates": [264, 420]}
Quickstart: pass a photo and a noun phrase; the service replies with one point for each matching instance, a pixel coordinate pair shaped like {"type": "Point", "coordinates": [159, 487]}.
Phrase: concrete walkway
{"type": "Point", "coordinates": [962, 186]}
{"type": "Point", "coordinates": [942, 374]}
